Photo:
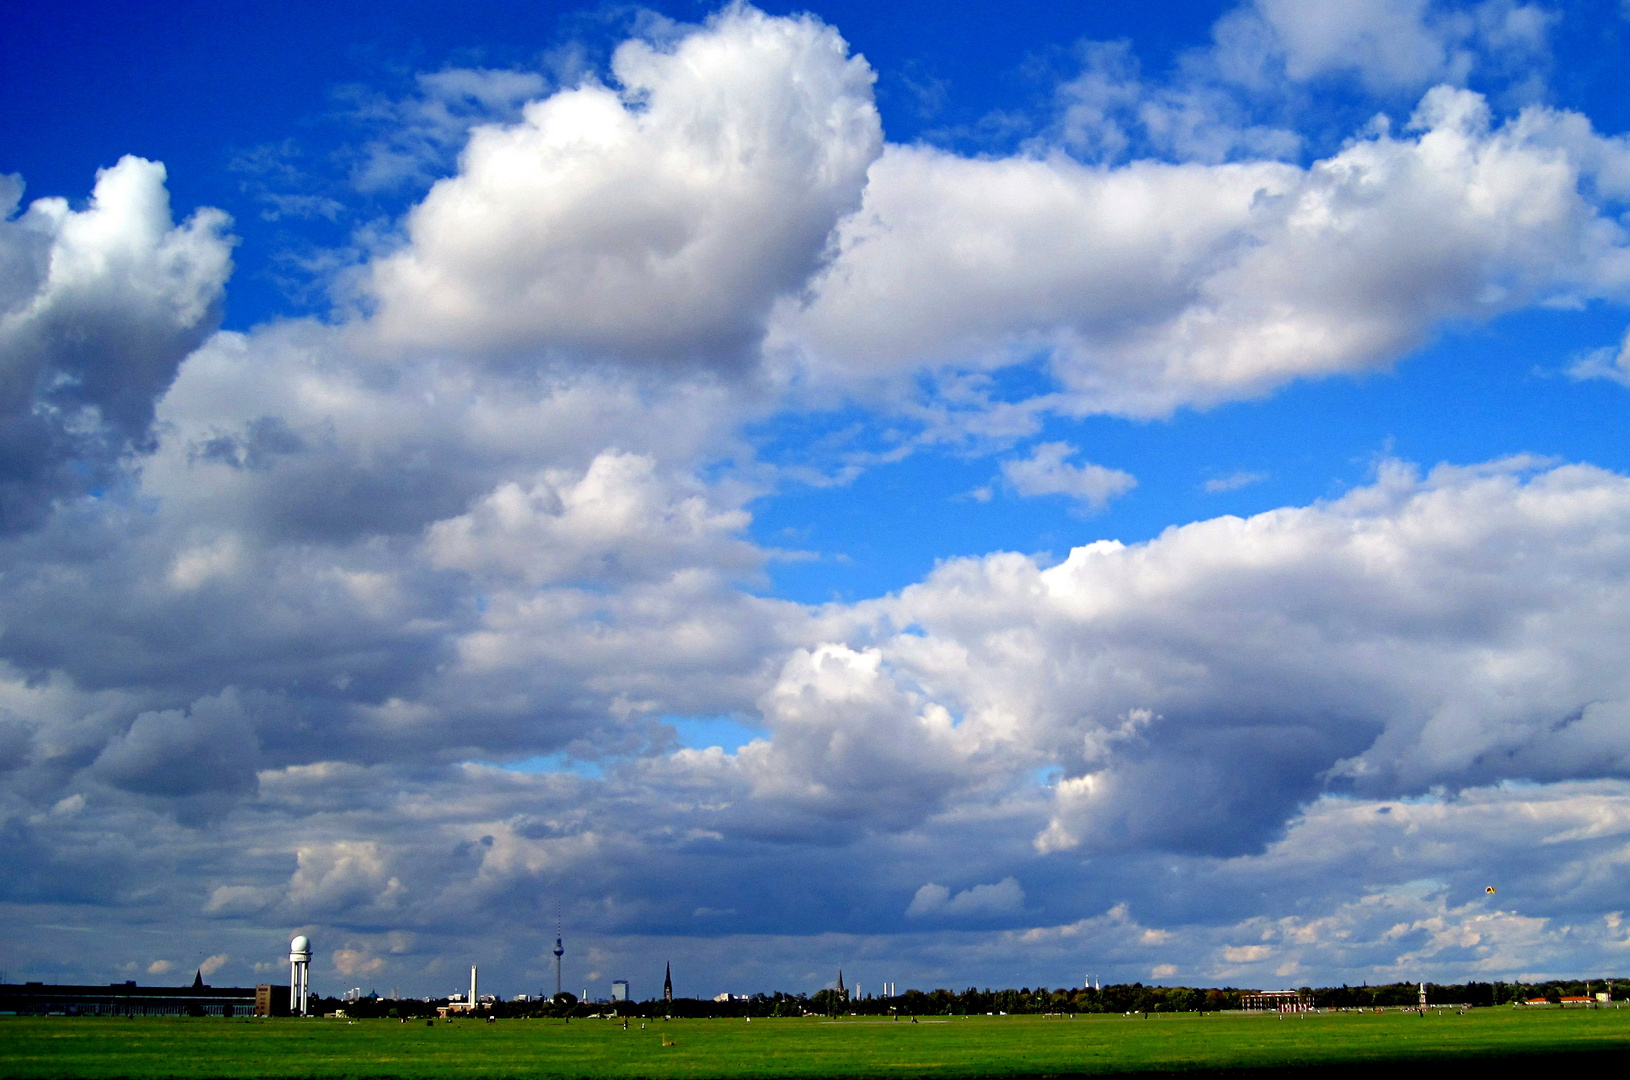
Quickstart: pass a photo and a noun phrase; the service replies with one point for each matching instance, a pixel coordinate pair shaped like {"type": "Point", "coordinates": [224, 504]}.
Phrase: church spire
{"type": "Point", "coordinates": [668, 982]}
{"type": "Point", "coordinates": [842, 993]}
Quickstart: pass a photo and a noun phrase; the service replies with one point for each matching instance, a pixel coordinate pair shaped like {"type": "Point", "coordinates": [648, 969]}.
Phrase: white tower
{"type": "Point", "coordinates": [473, 998]}
{"type": "Point", "coordinates": [299, 974]}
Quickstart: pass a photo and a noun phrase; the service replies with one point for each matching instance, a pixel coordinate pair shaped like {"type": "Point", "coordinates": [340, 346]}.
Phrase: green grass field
{"type": "Point", "coordinates": [948, 1047]}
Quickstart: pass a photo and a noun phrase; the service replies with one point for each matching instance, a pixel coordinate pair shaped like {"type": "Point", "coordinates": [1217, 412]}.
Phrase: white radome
{"type": "Point", "coordinates": [300, 944]}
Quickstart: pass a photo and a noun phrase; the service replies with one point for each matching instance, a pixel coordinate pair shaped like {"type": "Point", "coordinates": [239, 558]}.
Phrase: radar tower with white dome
{"type": "Point", "coordinates": [299, 975]}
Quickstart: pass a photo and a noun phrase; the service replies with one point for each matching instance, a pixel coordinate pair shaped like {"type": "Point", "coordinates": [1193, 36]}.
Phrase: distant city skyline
{"type": "Point", "coordinates": [966, 496]}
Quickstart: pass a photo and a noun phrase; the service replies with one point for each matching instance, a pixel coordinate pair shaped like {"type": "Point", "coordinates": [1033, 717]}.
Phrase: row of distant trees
{"type": "Point", "coordinates": [1120, 998]}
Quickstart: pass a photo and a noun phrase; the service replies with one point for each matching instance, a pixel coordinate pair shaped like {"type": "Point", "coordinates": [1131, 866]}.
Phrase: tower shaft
{"type": "Point", "coordinates": [560, 950]}
{"type": "Point", "coordinates": [299, 976]}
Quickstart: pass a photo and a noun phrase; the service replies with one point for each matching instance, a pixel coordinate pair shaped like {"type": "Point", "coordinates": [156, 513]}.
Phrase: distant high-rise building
{"type": "Point", "coordinates": [668, 982]}
{"type": "Point", "coordinates": [619, 990]}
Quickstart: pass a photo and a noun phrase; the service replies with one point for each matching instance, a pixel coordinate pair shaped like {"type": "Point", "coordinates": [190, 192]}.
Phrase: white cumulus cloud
{"type": "Point", "coordinates": [654, 220]}
{"type": "Point", "coordinates": [1388, 45]}
{"type": "Point", "coordinates": [98, 307]}
{"type": "Point", "coordinates": [1001, 898]}
{"type": "Point", "coordinates": [1047, 471]}
{"type": "Point", "coordinates": [1152, 286]}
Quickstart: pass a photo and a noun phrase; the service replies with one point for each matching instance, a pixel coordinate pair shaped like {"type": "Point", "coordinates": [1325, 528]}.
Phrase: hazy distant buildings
{"type": "Point", "coordinates": [619, 990]}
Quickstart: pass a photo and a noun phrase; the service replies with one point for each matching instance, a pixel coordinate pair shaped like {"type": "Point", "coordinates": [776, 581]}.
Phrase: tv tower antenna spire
{"type": "Point", "coordinates": [560, 950]}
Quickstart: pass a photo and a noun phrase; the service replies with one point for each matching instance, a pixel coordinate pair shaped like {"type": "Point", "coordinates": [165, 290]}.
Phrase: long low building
{"type": "Point", "coordinates": [1280, 1000]}
{"type": "Point", "coordinates": [128, 999]}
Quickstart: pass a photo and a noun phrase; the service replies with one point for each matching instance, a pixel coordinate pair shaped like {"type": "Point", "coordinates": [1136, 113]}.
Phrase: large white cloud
{"type": "Point", "coordinates": [1152, 286]}
{"type": "Point", "coordinates": [1455, 629]}
{"type": "Point", "coordinates": [618, 521]}
{"type": "Point", "coordinates": [656, 221]}
{"type": "Point", "coordinates": [98, 307]}
{"type": "Point", "coordinates": [850, 751]}
{"type": "Point", "coordinates": [1388, 45]}
{"type": "Point", "coordinates": [385, 552]}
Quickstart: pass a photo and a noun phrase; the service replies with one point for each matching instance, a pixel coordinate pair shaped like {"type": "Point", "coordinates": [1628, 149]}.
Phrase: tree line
{"type": "Point", "coordinates": [1119, 998]}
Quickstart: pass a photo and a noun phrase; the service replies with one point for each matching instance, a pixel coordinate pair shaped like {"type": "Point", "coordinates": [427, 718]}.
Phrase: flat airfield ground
{"type": "Point", "coordinates": [951, 1047]}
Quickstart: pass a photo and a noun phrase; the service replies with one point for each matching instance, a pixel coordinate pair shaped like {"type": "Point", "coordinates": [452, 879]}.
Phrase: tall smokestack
{"type": "Point", "coordinates": [473, 998]}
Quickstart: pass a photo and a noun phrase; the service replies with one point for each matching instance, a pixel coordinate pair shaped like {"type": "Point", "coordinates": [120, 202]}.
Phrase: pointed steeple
{"type": "Point", "coordinates": [198, 980]}
{"type": "Point", "coordinates": [842, 993]}
{"type": "Point", "coordinates": [668, 982]}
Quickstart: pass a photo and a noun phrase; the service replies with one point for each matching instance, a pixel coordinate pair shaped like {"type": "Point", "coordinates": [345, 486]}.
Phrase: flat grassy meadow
{"type": "Point", "coordinates": [1010, 1046]}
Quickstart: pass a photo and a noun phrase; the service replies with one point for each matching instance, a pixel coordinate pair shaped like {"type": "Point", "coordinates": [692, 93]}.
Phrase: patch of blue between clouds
{"type": "Point", "coordinates": [1047, 775]}
{"type": "Point", "coordinates": [701, 732]}
{"type": "Point", "coordinates": [694, 732]}
{"type": "Point", "coordinates": [552, 763]}
{"type": "Point", "coordinates": [1462, 399]}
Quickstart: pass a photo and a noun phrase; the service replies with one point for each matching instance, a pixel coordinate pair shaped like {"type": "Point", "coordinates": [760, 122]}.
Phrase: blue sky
{"type": "Point", "coordinates": [979, 496]}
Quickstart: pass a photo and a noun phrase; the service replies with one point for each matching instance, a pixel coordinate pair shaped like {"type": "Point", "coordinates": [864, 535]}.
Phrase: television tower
{"type": "Point", "coordinates": [560, 950]}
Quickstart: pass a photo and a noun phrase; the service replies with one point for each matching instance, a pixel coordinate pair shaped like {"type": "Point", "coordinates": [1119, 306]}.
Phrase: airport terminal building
{"type": "Point", "coordinates": [128, 999]}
